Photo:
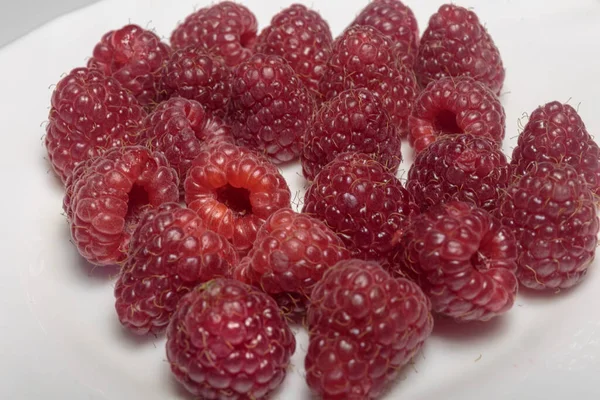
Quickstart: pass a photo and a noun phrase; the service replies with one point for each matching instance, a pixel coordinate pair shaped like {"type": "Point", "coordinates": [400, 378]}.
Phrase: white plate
{"type": "Point", "coordinates": [60, 338]}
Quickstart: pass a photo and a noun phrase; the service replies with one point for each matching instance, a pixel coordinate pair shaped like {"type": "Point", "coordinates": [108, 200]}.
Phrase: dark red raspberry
{"type": "Point", "coordinates": [107, 195]}
{"type": "Point", "coordinates": [228, 340]}
{"type": "Point", "coordinates": [226, 29]}
{"type": "Point", "coordinates": [463, 258]}
{"type": "Point", "coordinates": [456, 105]}
{"type": "Point", "coordinates": [291, 253]}
{"type": "Point", "coordinates": [234, 190]}
{"type": "Point", "coordinates": [459, 167]}
{"type": "Point", "coordinates": [270, 107]}
{"type": "Point", "coordinates": [456, 44]}
{"type": "Point", "coordinates": [353, 121]}
{"type": "Point", "coordinates": [364, 326]}
{"type": "Point", "coordinates": [194, 74]}
{"type": "Point", "coordinates": [551, 211]}
{"type": "Point", "coordinates": [362, 203]}
{"type": "Point", "coordinates": [133, 56]}
{"type": "Point", "coordinates": [363, 58]}
{"type": "Point", "coordinates": [303, 38]}
{"type": "Point", "coordinates": [178, 128]}
{"type": "Point", "coordinates": [90, 114]}
{"type": "Point", "coordinates": [556, 133]}
{"type": "Point", "coordinates": [170, 253]}
{"type": "Point", "coordinates": [396, 21]}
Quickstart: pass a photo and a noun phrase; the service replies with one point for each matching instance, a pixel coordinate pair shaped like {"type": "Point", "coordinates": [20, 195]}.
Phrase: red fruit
{"type": "Point", "coordinates": [353, 121]}
{"type": "Point", "coordinates": [362, 203]}
{"type": "Point", "coordinates": [463, 258]}
{"type": "Point", "coordinates": [234, 190]}
{"type": "Point", "coordinates": [303, 38]}
{"type": "Point", "coordinates": [456, 44]}
{"type": "Point", "coordinates": [556, 133]}
{"type": "Point", "coordinates": [228, 340]}
{"type": "Point", "coordinates": [290, 255]}
{"type": "Point", "coordinates": [179, 128]}
{"type": "Point", "coordinates": [226, 29]}
{"type": "Point", "coordinates": [107, 195]}
{"type": "Point", "coordinates": [270, 107]}
{"type": "Point", "coordinates": [133, 56]}
{"type": "Point", "coordinates": [396, 21]}
{"type": "Point", "coordinates": [90, 114]}
{"type": "Point", "coordinates": [194, 74]}
{"type": "Point", "coordinates": [456, 105]}
{"type": "Point", "coordinates": [364, 326]}
{"type": "Point", "coordinates": [552, 213]}
{"type": "Point", "coordinates": [459, 167]}
{"type": "Point", "coordinates": [363, 58]}
{"type": "Point", "coordinates": [169, 254]}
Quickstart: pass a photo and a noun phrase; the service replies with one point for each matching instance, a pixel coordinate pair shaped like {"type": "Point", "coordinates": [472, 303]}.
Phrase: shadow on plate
{"type": "Point", "coordinates": [447, 328]}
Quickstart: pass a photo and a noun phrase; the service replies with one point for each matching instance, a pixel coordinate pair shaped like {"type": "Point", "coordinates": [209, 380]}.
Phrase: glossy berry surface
{"type": "Point", "coordinates": [228, 340]}
{"type": "Point", "coordinates": [364, 326]}
{"type": "Point", "coordinates": [169, 253]}
{"type": "Point", "coordinates": [550, 208]}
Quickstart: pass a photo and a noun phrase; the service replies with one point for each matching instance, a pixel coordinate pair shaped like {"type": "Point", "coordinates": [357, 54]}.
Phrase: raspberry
{"type": "Point", "coordinates": [362, 203]}
{"type": "Point", "coordinates": [552, 213]}
{"type": "Point", "coordinates": [179, 127]}
{"type": "Point", "coordinates": [107, 195]}
{"type": "Point", "coordinates": [363, 58]}
{"type": "Point", "coordinates": [170, 252]}
{"type": "Point", "coordinates": [556, 133]}
{"type": "Point", "coordinates": [228, 340]}
{"type": "Point", "coordinates": [270, 107]}
{"type": "Point", "coordinates": [194, 74]}
{"type": "Point", "coordinates": [463, 258]}
{"type": "Point", "coordinates": [396, 21]}
{"type": "Point", "coordinates": [134, 57]}
{"type": "Point", "coordinates": [234, 190]}
{"type": "Point", "coordinates": [455, 105]}
{"type": "Point", "coordinates": [303, 38]}
{"type": "Point", "coordinates": [459, 167]}
{"type": "Point", "coordinates": [89, 114]}
{"type": "Point", "coordinates": [456, 44]}
{"type": "Point", "coordinates": [353, 121]}
{"type": "Point", "coordinates": [291, 253]}
{"type": "Point", "coordinates": [364, 326]}
{"type": "Point", "coordinates": [226, 29]}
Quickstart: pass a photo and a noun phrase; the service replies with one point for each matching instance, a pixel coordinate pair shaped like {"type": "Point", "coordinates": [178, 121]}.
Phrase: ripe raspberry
{"type": "Point", "coordinates": [363, 58]}
{"type": "Point", "coordinates": [194, 74]}
{"type": "Point", "coordinates": [134, 57]}
{"type": "Point", "coordinates": [270, 107]}
{"type": "Point", "coordinates": [362, 203]}
{"type": "Point", "coordinates": [459, 167]}
{"type": "Point", "coordinates": [364, 326]}
{"type": "Point", "coordinates": [90, 114]}
{"type": "Point", "coordinates": [107, 195]}
{"type": "Point", "coordinates": [396, 21]}
{"type": "Point", "coordinates": [463, 258]}
{"type": "Point", "coordinates": [353, 121]}
{"type": "Point", "coordinates": [170, 252]}
{"type": "Point", "coordinates": [227, 340]}
{"type": "Point", "coordinates": [234, 190]}
{"type": "Point", "coordinates": [455, 105]}
{"type": "Point", "coordinates": [226, 29]}
{"type": "Point", "coordinates": [303, 38]}
{"type": "Point", "coordinates": [291, 253]}
{"type": "Point", "coordinates": [456, 44]}
{"type": "Point", "coordinates": [556, 133]}
{"type": "Point", "coordinates": [551, 211]}
{"type": "Point", "coordinates": [179, 127]}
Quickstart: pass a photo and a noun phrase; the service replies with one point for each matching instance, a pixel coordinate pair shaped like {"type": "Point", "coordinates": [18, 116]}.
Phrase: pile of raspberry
{"type": "Point", "coordinates": [170, 154]}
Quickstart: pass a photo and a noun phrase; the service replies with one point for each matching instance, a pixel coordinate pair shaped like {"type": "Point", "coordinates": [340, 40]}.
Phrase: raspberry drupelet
{"type": "Point", "coordinates": [170, 253]}
{"type": "Point", "coordinates": [107, 195]}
